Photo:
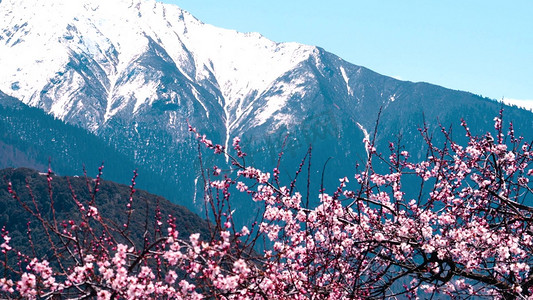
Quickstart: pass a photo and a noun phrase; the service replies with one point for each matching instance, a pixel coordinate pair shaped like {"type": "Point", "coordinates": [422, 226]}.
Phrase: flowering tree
{"type": "Point", "coordinates": [467, 231]}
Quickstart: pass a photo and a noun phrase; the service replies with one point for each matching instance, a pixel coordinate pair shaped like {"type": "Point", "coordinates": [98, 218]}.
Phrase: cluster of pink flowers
{"type": "Point", "coordinates": [467, 232]}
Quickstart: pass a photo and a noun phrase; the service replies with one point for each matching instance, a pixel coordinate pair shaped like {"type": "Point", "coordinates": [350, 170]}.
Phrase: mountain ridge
{"type": "Point", "coordinates": [136, 73]}
{"type": "Point", "coordinates": [101, 46]}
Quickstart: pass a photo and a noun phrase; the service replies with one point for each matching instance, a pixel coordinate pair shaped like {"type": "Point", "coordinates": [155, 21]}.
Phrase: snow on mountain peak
{"type": "Point", "coordinates": [40, 40]}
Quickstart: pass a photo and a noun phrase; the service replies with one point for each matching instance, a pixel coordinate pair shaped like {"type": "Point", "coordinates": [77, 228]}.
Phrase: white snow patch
{"type": "Point", "coordinates": [64, 103]}
{"type": "Point", "coordinates": [172, 119]}
{"type": "Point", "coordinates": [195, 185]}
{"type": "Point", "coordinates": [143, 94]}
{"type": "Point", "coordinates": [367, 137]}
{"type": "Point", "coordinates": [273, 104]}
{"type": "Point", "coordinates": [284, 92]}
{"type": "Point", "coordinates": [228, 134]}
{"type": "Point", "coordinates": [346, 79]}
{"type": "Point", "coordinates": [109, 91]}
{"type": "Point", "coordinates": [248, 63]}
{"type": "Point", "coordinates": [197, 96]}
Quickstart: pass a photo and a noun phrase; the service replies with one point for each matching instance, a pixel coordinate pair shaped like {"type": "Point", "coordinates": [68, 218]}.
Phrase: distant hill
{"type": "Point", "coordinates": [111, 200]}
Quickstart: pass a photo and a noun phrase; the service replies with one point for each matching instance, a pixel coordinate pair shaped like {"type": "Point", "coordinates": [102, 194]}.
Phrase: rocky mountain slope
{"type": "Point", "coordinates": [31, 138]}
{"type": "Point", "coordinates": [134, 72]}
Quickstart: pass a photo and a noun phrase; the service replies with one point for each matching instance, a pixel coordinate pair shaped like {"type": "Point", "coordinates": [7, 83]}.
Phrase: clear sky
{"type": "Point", "coordinates": [485, 47]}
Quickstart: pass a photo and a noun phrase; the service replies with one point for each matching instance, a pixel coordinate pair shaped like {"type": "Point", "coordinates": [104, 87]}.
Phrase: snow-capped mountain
{"type": "Point", "coordinates": [134, 72]}
{"type": "Point", "coordinates": [88, 61]}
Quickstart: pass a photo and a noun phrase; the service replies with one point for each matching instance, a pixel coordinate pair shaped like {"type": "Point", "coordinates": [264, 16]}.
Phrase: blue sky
{"type": "Point", "coordinates": [485, 47]}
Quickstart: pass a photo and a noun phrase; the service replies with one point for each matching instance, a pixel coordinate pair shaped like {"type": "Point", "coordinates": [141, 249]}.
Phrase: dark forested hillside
{"type": "Point", "coordinates": [111, 200]}
{"type": "Point", "coordinates": [31, 138]}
